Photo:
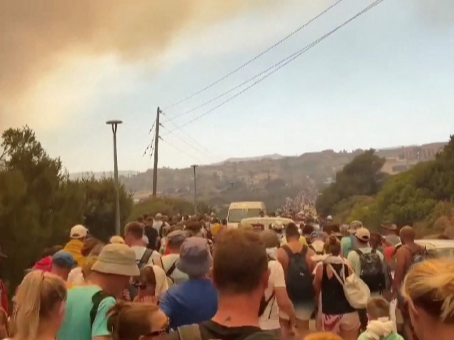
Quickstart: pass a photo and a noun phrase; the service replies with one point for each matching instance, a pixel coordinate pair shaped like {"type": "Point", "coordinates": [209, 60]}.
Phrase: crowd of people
{"type": "Point", "coordinates": [195, 279]}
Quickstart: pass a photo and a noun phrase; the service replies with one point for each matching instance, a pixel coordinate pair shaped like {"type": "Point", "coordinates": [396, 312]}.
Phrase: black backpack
{"type": "Point", "coordinates": [96, 299]}
{"type": "Point", "coordinates": [133, 292]}
{"type": "Point", "coordinates": [372, 272]}
{"type": "Point", "coordinates": [265, 302]}
{"type": "Point", "coordinates": [299, 280]}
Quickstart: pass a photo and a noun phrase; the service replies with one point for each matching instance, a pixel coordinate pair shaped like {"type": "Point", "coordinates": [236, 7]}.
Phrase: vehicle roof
{"type": "Point", "coordinates": [436, 243]}
{"type": "Point", "coordinates": [266, 220]}
{"type": "Point", "coordinates": [247, 205]}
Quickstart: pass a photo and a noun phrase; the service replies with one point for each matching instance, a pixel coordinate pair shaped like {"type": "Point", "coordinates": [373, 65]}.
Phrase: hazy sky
{"type": "Point", "coordinates": [385, 79]}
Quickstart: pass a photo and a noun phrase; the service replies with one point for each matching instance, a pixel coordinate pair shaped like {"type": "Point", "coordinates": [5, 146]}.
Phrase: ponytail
{"type": "Point", "coordinates": [28, 303]}
{"type": "Point", "coordinates": [36, 298]}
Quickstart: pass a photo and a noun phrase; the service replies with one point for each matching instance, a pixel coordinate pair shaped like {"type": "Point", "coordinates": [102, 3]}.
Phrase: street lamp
{"type": "Point", "coordinates": [114, 124]}
{"type": "Point", "coordinates": [195, 188]}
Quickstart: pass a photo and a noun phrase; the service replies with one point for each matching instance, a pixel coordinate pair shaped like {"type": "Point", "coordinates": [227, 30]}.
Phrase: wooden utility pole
{"type": "Point", "coordinates": [156, 148]}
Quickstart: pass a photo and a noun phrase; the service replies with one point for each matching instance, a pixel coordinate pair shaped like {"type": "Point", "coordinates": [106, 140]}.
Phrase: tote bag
{"type": "Point", "coordinates": [356, 291]}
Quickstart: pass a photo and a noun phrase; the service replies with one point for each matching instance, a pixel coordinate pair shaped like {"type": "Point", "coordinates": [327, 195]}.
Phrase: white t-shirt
{"type": "Point", "coordinates": [140, 250]}
{"type": "Point", "coordinates": [270, 318]}
{"type": "Point", "coordinates": [161, 282]}
{"type": "Point", "coordinates": [167, 263]}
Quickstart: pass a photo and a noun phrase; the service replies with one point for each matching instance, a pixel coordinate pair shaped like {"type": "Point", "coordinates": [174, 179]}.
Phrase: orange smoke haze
{"type": "Point", "coordinates": [38, 36]}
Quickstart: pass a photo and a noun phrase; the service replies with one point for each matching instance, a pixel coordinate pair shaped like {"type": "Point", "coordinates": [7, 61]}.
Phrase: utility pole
{"type": "Point", "coordinates": [114, 124]}
{"type": "Point", "coordinates": [195, 188]}
{"type": "Point", "coordinates": [156, 148]}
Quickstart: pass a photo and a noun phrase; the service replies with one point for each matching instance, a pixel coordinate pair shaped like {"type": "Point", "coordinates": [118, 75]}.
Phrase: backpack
{"type": "Point", "coordinates": [142, 263]}
{"type": "Point", "coordinates": [372, 272]}
{"type": "Point", "coordinates": [96, 299]}
{"type": "Point", "coordinates": [299, 277]}
{"type": "Point", "coordinates": [265, 302]}
{"type": "Point", "coordinates": [193, 332]}
{"type": "Point", "coordinates": [169, 272]}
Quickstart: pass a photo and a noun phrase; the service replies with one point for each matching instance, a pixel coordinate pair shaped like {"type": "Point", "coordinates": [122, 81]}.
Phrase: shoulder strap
{"type": "Point", "coordinates": [304, 251]}
{"type": "Point", "coordinates": [171, 269]}
{"type": "Point", "coordinates": [341, 280]}
{"type": "Point", "coordinates": [288, 251]}
{"type": "Point", "coordinates": [190, 332]}
{"type": "Point", "coordinates": [359, 252]}
{"type": "Point", "coordinates": [374, 251]}
{"type": "Point", "coordinates": [96, 299]}
{"type": "Point", "coordinates": [146, 256]}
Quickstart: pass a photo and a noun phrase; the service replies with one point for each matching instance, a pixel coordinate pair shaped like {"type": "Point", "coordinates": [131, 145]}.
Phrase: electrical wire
{"type": "Point", "coordinates": [190, 145]}
{"type": "Point", "coordinates": [203, 149]}
{"type": "Point", "coordinates": [181, 150]}
{"type": "Point", "coordinates": [281, 64]}
{"type": "Point", "coordinates": [254, 58]}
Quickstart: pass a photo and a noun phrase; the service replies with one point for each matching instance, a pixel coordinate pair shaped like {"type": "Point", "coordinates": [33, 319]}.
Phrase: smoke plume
{"type": "Point", "coordinates": [37, 36]}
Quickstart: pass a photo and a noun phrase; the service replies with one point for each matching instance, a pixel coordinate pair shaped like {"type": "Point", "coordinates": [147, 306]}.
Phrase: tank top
{"type": "Point", "coordinates": [334, 301]}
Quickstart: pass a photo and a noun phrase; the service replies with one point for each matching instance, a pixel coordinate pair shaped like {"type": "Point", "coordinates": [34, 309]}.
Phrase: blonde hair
{"type": "Point", "coordinates": [378, 308]}
{"type": "Point", "coordinates": [86, 268]}
{"type": "Point", "coordinates": [37, 297]}
{"type": "Point", "coordinates": [430, 286]}
{"type": "Point", "coordinates": [322, 336]}
{"type": "Point", "coordinates": [129, 321]}
{"type": "Point", "coordinates": [4, 326]}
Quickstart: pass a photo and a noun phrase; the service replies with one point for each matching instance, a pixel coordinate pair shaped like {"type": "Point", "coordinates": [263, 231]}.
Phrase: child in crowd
{"type": "Point", "coordinates": [380, 326]}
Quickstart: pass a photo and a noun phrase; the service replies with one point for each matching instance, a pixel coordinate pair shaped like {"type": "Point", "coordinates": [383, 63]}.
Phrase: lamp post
{"type": "Point", "coordinates": [195, 188]}
{"type": "Point", "coordinates": [114, 124]}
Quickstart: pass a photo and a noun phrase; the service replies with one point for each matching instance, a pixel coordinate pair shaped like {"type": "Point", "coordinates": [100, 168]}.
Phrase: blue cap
{"type": "Point", "coordinates": [64, 259]}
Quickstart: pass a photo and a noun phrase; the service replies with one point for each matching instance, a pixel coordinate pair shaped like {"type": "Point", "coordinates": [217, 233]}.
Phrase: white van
{"type": "Point", "coordinates": [241, 210]}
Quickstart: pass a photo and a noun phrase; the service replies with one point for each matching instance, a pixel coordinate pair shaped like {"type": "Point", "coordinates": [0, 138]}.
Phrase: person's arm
{"type": "Point", "coordinates": [399, 274]}
{"type": "Point", "coordinates": [353, 260]}
{"type": "Point", "coordinates": [318, 282]}
{"type": "Point", "coordinates": [99, 330]}
{"type": "Point", "coordinates": [311, 263]}
{"type": "Point", "coordinates": [280, 292]}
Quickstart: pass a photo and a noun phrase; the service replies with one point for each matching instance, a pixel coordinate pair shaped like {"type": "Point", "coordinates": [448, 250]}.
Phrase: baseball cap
{"type": "Point", "coordinates": [363, 234]}
{"type": "Point", "coordinates": [64, 259]}
{"type": "Point", "coordinates": [117, 259]}
{"type": "Point", "coordinates": [354, 226]}
{"type": "Point", "coordinates": [78, 231]}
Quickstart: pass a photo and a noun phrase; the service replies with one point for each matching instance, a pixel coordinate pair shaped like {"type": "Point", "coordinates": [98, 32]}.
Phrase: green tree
{"type": "Point", "coordinates": [362, 176]}
{"type": "Point", "coordinates": [39, 204]}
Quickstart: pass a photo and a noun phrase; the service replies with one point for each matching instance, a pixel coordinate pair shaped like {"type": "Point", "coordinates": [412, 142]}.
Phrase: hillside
{"type": "Point", "coordinates": [268, 178]}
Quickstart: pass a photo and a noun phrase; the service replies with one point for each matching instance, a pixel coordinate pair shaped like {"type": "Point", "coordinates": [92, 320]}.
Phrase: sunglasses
{"type": "Point", "coordinates": [139, 285]}
{"type": "Point", "coordinates": [163, 330]}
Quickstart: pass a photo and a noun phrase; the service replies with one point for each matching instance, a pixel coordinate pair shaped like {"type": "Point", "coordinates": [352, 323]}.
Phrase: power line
{"type": "Point", "coordinates": [188, 144]}
{"type": "Point", "coordinates": [181, 150]}
{"type": "Point", "coordinates": [254, 58]}
{"type": "Point", "coordinates": [204, 149]}
{"type": "Point", "coordinates": [281, 64]}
